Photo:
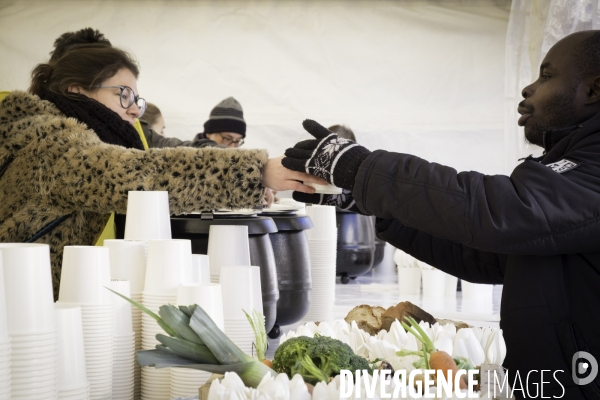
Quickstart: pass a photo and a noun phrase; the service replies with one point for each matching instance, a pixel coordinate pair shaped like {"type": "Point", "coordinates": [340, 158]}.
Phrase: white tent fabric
{"type": "Point", "coordinates": [422, 77]}
{"type": "Point", "coordinates": [534, 27]}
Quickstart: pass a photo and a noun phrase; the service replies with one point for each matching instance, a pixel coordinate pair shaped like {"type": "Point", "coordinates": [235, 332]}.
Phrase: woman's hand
{"type": "Point", "coordinates": [269, 198]}
{"type": "Point", "coordinates": [277, 177]}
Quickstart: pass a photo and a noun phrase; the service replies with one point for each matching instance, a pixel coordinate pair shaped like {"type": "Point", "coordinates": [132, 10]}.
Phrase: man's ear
{"type": "Point", "coordinates": [593, 90]}
{"type": "Point", "coordinates": [74, 89]}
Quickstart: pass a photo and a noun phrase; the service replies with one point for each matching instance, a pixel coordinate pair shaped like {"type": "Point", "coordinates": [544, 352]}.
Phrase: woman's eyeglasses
{"type": "Point", "coordinates": [227, 140]}
{"type": "Point", "coordinates": [128, 98]}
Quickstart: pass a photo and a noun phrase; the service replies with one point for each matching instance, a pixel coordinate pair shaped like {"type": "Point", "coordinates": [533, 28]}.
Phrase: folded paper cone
{"type": "Point", "coordinates": [325, 189]}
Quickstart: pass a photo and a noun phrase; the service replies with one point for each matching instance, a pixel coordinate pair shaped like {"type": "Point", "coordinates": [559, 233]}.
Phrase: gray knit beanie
{"type": "Point", "coordinates": [227, 116]}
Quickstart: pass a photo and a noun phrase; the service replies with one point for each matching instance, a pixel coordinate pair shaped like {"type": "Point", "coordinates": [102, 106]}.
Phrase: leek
{"type": "Point", "coordinates": [196, 342]}
{"type": "Point", "coordinates": [250, 372]}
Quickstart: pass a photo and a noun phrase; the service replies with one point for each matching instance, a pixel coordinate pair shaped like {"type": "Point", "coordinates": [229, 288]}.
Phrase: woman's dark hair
{"type": "Point", "coordinates": [68, 40]}
{"type": "Point", "coordinates": [86, 65]}
{"type": "Point", "coordinates": [151, 114]}
{"type": "Point", "coordinates": [343, 132]}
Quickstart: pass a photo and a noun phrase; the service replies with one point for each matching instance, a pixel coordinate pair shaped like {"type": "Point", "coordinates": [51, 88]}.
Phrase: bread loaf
{"type": "Point", "coordinates": [402, 310]}
{"type": "Point", "coordinates": [367, 318]}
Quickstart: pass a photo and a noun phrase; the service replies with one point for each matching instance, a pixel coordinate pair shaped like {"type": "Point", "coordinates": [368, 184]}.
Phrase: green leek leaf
{"type": "Point", "coordinates": [179, 322]}
{"type": "Point", "coordinates": [251, 372]}
{"type": "Point", "coordinates": [188, 310]}
{"type": "Point", "coordinates": [197, 352]}
{"type": "Point", "coordinates": [219, 344]}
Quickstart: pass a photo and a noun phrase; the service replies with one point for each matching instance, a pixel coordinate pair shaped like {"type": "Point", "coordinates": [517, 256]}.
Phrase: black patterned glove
{"type": "Point", "coordinates": [345, 201]}
{"type": "Point", "coordinates": [328, 156]}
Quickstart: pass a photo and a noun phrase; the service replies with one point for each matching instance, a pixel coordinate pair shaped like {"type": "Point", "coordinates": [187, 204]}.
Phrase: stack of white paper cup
{"type": "Point", "coordinates": [477, 298]}
{"type": "Point", "coordinates": [4, 342]}
{"type": "Point", "coordinates": [185, 381]}
{"type": "Point", "coordinates": [409, 273]}
{"type": "Point", "coordinates": [451, 285]}
{"type": "Point", "coordinates": [169, 265]}
{"type": "Point", "coordinates": [72, 374]}
{"type": "Point", "coordinates": [241, 292]}
{"type": "Point", "coordinates": [322, 245]}
{"type": "Point", "coordinates": [434, 280]}
{"type": "Point", "coordinates": [128, 263]}
{"type": "Point", "coordinates": [228, 245]}
{"type": "Point", "coordinates": [156, 383]}
{"type": "Point", "coordinates": [123, 343]}
{"type": "Point", "coordinates": [476, 290]}
{"type": "Point", "coordinates": [85, 277]}
{"type": "Point", "coordinates": [200, 268]}
{"type": "Point", "coordinates": [30, 321]}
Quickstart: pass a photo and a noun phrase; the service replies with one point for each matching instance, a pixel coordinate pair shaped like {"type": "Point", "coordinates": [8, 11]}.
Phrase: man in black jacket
{"type": "Point", "coordinates": [536, 231]}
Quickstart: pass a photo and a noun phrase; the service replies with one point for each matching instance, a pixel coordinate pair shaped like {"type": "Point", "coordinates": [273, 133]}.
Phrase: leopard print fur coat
{"type": "Point", "coordinates": [53, 166]}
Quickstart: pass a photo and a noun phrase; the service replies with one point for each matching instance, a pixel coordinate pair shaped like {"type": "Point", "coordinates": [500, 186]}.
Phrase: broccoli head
{"type": "Point", "coordinates": [290, 353]}
{"type": "Point", "coordinates": [316, 358]}
{"type": "Point", "coordinates": [357, 362]}
{"type": "Point", "coordinates": [330, 355]}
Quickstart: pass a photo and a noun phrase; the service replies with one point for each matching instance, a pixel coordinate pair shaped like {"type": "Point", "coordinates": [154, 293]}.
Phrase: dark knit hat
{"type": "Point", "coordinates": [227, 116]}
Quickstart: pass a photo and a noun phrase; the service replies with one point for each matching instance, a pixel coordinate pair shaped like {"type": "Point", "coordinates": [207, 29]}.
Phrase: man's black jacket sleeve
{"type": "Point", "coordinates": [535, 211]}
{"type": "Point", "coordinates": [456, 259]}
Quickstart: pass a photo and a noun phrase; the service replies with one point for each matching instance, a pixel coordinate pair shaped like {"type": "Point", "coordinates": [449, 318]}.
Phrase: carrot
{"type": "Point", "coordinates": [440, 360]}
{"type": "Point", "coordinates": [268, 363]}
{"type": "Point", "coordinates": [437, 360]}
{"type": "Point", "coordinates": [310, 388]}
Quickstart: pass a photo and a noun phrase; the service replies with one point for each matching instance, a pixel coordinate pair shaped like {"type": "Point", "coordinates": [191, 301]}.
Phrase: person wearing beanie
{"type": "Point", "coordinates": [226, 124]}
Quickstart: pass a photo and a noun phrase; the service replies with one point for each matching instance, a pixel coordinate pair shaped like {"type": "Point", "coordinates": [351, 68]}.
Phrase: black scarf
{"type": "Point", "coordinates": [107, 124]}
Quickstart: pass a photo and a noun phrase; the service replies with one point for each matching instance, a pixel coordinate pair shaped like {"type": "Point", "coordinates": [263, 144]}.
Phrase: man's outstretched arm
{"type": "Point", "coordinates": [456, 259]}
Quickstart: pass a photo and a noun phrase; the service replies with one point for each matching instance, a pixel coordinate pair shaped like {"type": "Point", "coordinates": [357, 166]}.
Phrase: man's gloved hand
{"type": "Point", "coordinates": [345, 201]}
{"type": "Point", "coordinates": [328, 156]}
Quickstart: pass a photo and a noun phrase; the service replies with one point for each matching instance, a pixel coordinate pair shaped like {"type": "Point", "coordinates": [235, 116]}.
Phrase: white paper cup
{"type": "Point", "coordinates": [404, 260]}
{"type": "Point", "coordinates": [27, 287]}
{"type": "Point", "coordinates": [169, 265]}
{"type": "Point", "coordinates": [128, 262]}
{"type": "Point", "coordinates": [3, 323]}
{"type": "Point", "coordinates": [71, 353]}
{"type": "Point", "coordinates": [200, 268]}
{"type": "Point", "coordinates": [476, 290]}
{"type": "Point", "coordinates": [85, 275]}
{"type": "Point", "coordinates": [434, 283]}
{"type": "Point", "coordinates": [121, 308]}
{"type": "Point", "coordinates": [451, 285]}
{"type": "Point", "coordinates": [148, 216]}
{"type": "Point", "coordinates": [228, 245]}
{"type": "Point", "coordinates": [241, 290]}
{"type": "Point", "coordinates": [409, 280]}
{"type": "Point", "coordinates": [206, 295]}
{"type": "Point", "coordinates": [324, 223]}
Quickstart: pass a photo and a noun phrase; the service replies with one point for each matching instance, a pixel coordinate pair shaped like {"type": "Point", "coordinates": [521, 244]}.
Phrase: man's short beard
{"type": "Point", "coordinates": [561, 113]}
{"type": "Point", "coordinates": [534, 134]}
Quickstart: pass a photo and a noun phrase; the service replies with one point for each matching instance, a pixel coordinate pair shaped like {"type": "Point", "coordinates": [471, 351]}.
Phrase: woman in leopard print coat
{"type": "Point", "coordinates": [72, 158]}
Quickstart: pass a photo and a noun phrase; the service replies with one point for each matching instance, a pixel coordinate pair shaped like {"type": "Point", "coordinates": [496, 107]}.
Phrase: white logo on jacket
{"type": "Point", "coordinates": [562, 166]}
